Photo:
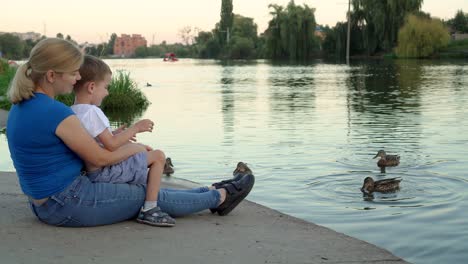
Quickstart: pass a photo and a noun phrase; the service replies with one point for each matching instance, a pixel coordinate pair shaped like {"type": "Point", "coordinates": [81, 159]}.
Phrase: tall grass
{"type": "Point", "coordinates": [124, 95]}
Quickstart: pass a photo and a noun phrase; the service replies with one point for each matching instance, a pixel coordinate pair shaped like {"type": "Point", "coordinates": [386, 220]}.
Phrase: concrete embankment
{"type": "Point", "coordinates": [250, 234]}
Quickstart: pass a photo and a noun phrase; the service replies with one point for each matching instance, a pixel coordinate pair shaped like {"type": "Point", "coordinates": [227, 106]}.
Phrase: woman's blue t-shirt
{"type": "Point", "coordinates": [44, 164]}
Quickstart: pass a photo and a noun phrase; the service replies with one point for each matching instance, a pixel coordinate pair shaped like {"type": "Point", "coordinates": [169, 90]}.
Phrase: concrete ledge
{"type": "Point", "coordinates": [3, 118]}
{"type": "Point", "coordinates": [250, 234]}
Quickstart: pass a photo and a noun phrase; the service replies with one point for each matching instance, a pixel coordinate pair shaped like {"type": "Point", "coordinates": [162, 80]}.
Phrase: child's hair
{"type": "Point", "coordinates": [49, 54]}
{"type": "Point", "coordinates": [92, 70]}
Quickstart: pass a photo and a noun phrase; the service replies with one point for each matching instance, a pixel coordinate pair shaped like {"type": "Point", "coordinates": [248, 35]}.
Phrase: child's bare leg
{"type": "Point", "coordinates": [156, 161]}
{"type": "Point", "coordinates": [151, 214]}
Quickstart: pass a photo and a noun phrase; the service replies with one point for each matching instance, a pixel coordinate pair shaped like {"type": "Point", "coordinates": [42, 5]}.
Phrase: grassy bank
{"type": "Point", "coordinates": [455, 49]}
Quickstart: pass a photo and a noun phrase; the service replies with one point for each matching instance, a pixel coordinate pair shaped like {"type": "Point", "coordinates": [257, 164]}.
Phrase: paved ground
{"type": "Point", "coordinates": [3, 118]}
{"type": "Point", "coordinates": [250, 234]}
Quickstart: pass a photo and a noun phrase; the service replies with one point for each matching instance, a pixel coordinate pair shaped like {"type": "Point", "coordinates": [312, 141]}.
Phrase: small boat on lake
{"type": "Point", "coordinates": [171, 57]}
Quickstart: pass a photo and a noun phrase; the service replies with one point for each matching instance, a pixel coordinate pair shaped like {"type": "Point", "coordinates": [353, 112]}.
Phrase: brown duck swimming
{"type": "Point", "coordinates": [242, 168]}
{"type": "Point", "coordinates": [168, 167]}
{"type": "Point", "coordinates": [387, 160]}
{"type": "Point", "coordinates": [383, 186]}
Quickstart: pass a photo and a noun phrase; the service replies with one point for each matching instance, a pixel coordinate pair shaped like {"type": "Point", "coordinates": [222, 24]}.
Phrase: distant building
{"type": "Point", "coordinates": [24, 36]}
{"type": "Point", "coordinates": [459, 36]}
{"type": "Point", "coordinates": [125, 45]}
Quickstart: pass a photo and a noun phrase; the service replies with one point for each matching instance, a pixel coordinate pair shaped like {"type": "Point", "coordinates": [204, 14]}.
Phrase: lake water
{"type": "Point", "coordinates": [309, 132]}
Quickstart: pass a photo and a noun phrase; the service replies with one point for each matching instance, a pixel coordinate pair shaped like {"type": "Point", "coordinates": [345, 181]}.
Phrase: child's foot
{"type": "Point", "coordinates": [155, 217]}
{"type": "Point", "coordinates": [168, 167]}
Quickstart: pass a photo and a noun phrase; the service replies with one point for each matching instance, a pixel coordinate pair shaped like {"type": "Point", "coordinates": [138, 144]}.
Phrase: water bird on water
{"type": "Point", "coordinates": [383, 186]}
{"type": "Point", "coordinates": [387, 160]}
{"type": "Point", "coordinates": [168, 167]}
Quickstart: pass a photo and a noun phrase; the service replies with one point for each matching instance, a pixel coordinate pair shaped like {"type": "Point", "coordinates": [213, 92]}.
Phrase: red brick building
{"type": "Point", "coordinates": [125, 45]}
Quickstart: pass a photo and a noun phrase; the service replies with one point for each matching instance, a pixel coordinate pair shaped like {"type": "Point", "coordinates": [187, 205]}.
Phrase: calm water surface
{"type": "Point", "coordinates": [309, 133]}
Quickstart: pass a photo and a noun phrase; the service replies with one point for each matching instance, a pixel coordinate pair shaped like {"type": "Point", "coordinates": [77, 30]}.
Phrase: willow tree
{"type": "Point", "coordinates": [290, 33]}
{"type": "Point", "coordinates": [381, 20]}
{"type": "Point", "coordinates": [421, 37]}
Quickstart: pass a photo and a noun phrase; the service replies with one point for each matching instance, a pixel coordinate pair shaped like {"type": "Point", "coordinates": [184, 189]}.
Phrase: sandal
{"type": "Point", "coordinates": [236, 191]}
{"type": "Point", "coordinates": [155, 217]}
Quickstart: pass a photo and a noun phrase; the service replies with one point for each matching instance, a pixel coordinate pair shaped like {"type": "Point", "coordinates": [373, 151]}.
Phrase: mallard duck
{"type": "Point", "coordinates": [387, 160]}
{"type": "Point", "coordinates": [242, 168]}
{"type": "Point", "coordinates": [168, 167]}
{"type": "Point", "coordinates": [383, 186]}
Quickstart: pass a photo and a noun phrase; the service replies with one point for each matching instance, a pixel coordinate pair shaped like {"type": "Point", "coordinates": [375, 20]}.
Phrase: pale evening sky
{"type": "Point", "coordinates": [95, 20]}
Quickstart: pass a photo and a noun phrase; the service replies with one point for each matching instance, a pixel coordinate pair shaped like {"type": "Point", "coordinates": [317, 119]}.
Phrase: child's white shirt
{"type": "Point", "coordinates": [92, 118]}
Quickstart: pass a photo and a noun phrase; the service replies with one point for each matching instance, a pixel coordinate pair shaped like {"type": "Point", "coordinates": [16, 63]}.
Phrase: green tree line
{"type": "Point", "coordinates": [377, 28]}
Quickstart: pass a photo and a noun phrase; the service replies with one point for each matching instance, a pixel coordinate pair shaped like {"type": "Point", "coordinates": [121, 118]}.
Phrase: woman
{"type": "Point", "coordinates": [48, 145]}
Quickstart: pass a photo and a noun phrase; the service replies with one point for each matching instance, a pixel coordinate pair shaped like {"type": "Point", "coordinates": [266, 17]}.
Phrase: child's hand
{"type": "Point", "coordinates": [144, 125]}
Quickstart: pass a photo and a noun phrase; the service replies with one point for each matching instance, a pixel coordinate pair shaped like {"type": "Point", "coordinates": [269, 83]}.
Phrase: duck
{"type": "Point", "coordinates": [168, 167]}
{"type": "Point", "coordinates": [148, 84]}
{"type": "Point", "coordinates": [387, 160]}
{"type": "Point", "coordinates": [383, 186]}
{"type": "Point", "coordinates": [242, 168]}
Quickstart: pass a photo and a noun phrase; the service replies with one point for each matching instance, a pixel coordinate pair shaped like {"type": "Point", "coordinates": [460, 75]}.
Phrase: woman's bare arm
{"type": "Point", "coordinates": [78, 140]}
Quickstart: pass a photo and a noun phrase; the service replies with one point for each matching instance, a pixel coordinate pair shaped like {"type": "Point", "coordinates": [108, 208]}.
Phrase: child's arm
{"type": "Point", "coordinates": [120, 129]}
{"type": "Point", "coordinates": [112, 142]}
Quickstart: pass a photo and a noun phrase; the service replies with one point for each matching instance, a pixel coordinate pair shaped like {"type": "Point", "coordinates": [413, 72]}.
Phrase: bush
{"type": "Point", "coordinates": [124, 95]}
{"type": "Point", "coordinates": [421, 37]}
{"type": "Point", "coordinates": [6, 75]}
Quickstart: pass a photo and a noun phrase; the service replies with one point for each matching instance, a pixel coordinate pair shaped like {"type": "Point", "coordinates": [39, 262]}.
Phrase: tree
{"type": "Point", "coordinates": [59, 35]}
{"type": "Point", "coordinates": [381, 20]}
{"type": "Point", "coordinates": [460, 22]}
{"type": "Point", "coordinates": [206, 45]}
{"type": "Point", "coordinates": [11, 46]}
{"type": "Point", "coordinates": [421, 37]}
{"type": "Point", "coordinates": [187, 34]}
{"type": "Point", "coordinates": [109, 50]}
{"type": "Point", "coordinates": [290, 33]}
{"type": "Point", "coordinates": [227, 19]}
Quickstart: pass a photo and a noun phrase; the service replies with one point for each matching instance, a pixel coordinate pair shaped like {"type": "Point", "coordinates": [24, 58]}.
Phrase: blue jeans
{"type": "Point", "coordinates": [84, 203]}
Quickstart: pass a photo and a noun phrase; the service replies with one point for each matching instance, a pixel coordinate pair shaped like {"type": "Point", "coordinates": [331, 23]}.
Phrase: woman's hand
{"type": "Point", "coordinates": [79, 141]}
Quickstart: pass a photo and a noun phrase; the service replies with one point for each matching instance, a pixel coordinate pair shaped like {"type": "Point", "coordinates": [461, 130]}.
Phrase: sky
{"type": "Point", "coordinates": [94, 21]}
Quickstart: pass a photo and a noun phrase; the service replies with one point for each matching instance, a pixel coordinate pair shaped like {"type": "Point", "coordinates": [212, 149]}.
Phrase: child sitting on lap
{"type": "Point", "coordinates": [89, 93]}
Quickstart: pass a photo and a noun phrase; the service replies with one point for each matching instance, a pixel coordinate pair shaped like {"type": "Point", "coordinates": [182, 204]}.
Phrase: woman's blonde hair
{"type": "Point", "coordinates": [49, 54]}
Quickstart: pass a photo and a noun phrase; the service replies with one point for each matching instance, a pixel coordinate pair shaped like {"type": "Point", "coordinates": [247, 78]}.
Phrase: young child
{"type": "Point", "coordinates": [89, 93]}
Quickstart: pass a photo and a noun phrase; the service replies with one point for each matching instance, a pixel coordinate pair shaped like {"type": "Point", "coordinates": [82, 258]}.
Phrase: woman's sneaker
{"type": "Point", "coordinates": [236, 191]}
{"type": "Point", "coordinates": [155, 217]}
{"type": "Point", "coordinates": [239, 172]}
